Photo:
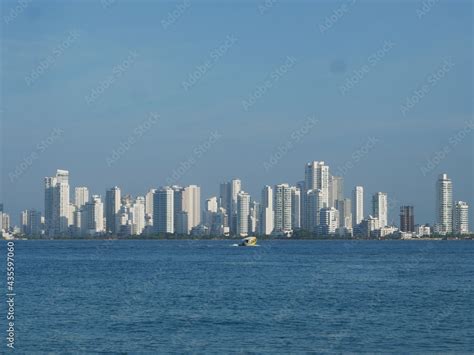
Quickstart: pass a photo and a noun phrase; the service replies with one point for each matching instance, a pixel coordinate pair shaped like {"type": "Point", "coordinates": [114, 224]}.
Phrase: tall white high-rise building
{"type": "Point", "coordinates": [345, 213]}
{"type": "Point", "coordinates": [314, 203]}
{"type": "Point", "coordinates": [49, 186]}
{"type": "Point", "coordinates": [24, 222]}
{"type": "Point", "coordinates": [254, 217]}
{"type": "Point", "coordinates": [187, 208]}
{"type": "Point", "coordinates": [79, 221]}
{"type": "Point", "coordinates": [149, 202]}
{"type": "Point", "coordinates": [235, 188]}
{"type": "Point", "coordinates": [316, 178]}
{"type": "Point", "coordinates": [137, 212]}
{"type": "Point", "coordinates": [282, 208]}
{"type": "Point", "coordinates": [295, 207]}
{"type": "Point", "coordinates": [329, 221]}
{"type": "Point", "coordinates": [163, 210]}
{"type": "Point", "coordinates": [380, 208]}
{"type": "Point", "coordinates": [243, 213]}
{"type": "Point", "coordinates": [211, 204]}
{"type": "Point", "coordinates": [81, 196]}
{"type": "Point", "coordinates": [336, 190]}
{"type": "Point", "coordinates": [112, 207]}
{"type": "Point", "coordinates": [56, 203]}
{"type": "Point", "coordinates": [192, 205]}
{"type": "Point", "coordinates": [31, 222]}
{"type": "Point", "coordinates": [444, 204]}
{"type": "Point", "coordinates": [357, 205]}
{"type": "Point", "coordinates": [211, 207]}
{"type": "Point", "coordinates": [4, 222]}
{"type": "Point", "coordinates": [461, 218]}
{"type": "Point", "coordinates": [266, 211]}
{"type": "Point", "coordinates": [61, 202]}
{"type": "Point", "coordinates": [228, 200]}
{"type": "Point", "coordinates": [94, 216]}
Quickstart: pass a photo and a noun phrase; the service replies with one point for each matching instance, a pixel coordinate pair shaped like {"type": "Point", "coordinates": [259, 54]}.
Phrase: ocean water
{"type": "Point", "coordinates": [210, 297]}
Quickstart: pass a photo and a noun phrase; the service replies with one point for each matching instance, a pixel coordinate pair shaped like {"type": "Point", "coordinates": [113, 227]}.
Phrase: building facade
{"type": "Point", "coordinates": [461, 217]}
{"type": "Point", "coordinates": [444, 204]}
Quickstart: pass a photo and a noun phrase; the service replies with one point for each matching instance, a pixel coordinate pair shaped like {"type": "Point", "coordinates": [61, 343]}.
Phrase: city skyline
{"type": "Point", "coordinates": [316, 204]}
{"type": "Point", "coordinates": [353, 98]}
{"type": "Point", "coordinates": [176, 174]}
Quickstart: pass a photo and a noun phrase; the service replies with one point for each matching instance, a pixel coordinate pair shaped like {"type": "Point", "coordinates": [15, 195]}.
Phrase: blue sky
{"type": "Point", "coordinates": [397, 49]}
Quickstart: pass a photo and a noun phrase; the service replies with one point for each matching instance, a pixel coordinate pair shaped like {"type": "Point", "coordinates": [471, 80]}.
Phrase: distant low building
{"type": "Point", "coordinates": [422, 230]}
{"type": "Point", "coordinates": [461, 217]}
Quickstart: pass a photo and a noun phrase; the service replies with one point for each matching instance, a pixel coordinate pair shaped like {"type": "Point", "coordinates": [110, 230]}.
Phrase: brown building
{"type": "Point", "coordinates": [407, 219]}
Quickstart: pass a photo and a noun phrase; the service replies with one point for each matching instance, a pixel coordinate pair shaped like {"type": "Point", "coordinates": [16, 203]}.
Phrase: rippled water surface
{"type": "Point", "coordinates": [208, 296]}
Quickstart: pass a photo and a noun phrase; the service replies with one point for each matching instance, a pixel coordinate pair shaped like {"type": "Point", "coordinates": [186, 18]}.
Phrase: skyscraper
{"type": "Point", "coordinates": [266, 211]}
{"type": "Point", "coordinates": [461, 218]}
{"type": "Point", "coordinates": [336, 190]}
{"type": "Point", "coordinates": [282, 208]}
{"type": "Point", "coordinates": [345, 213]}
{"type": "Point", "coordinates": [210, 210]}
{"type": "Point", "coordinates": [137, 212]}
{"type": "Point", "coordinates": [211, 204]}
{"type": "Point", "coordinates": [94, 216]}
{"type": "Point", "coordinates": [56, 203]}
{"type": "Point", "coordinates": [192, 205]}
{"type": "Point", "coordinates": [254, 217]}
{"type": "Point", "coordinates": [314, 203]}
{"type": "Point", "coordinates": [163, 210]}
{"type": "Point", "coordinates": [149, 202]}
{"type": "Point", "coordinates": [380, 208]}
{"type": "Point", "coordinates": [407, 219]}
{"type": "Point", "coordinates": [357, 205]}
{"type": "Point", "coordinates": [112, 207]}
{"type": "Point", "coordinates": [316, 178]}
{"type": "Point", "coordinates": [31, 222]}
{"type": "Point", "coordinates": [295, 208]}
{"type": "Point", "coordinates": [180, 217]}
{"type": "Point", "coordinates": [444, 204]}
{"type": "Point", "coordinates": [187, 208]}
{"type": "Point", "coordinates": [243, 212]}
{"type": "Point", "coordinates": [49, 186]}
{"type": "Point", "coordinates": [329, 221]}
{"type": "Point", "coordinates": [235, 188]}
{"type": "Point", "coordinates": [81, 196]}
{"type": "Point", "coordinates": [228, 200]}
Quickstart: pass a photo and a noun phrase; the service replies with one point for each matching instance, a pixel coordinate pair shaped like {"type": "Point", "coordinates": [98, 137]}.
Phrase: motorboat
{"type": "Point", "coordinates": [248, 242]}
